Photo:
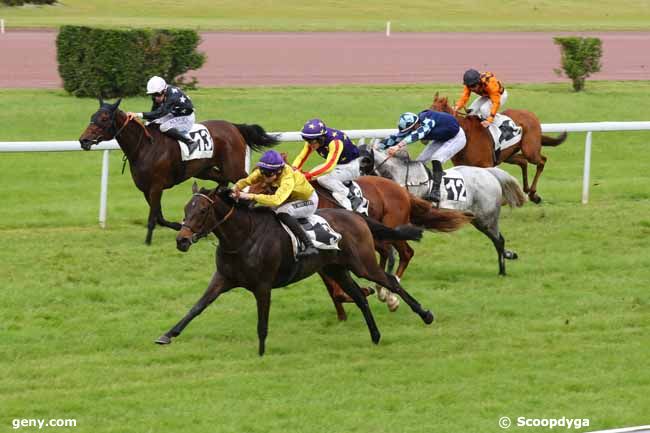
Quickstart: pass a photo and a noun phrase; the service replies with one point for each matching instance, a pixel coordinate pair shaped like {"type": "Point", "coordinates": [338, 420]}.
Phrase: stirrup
{"type": "Point", "coordinates": [310, 251]}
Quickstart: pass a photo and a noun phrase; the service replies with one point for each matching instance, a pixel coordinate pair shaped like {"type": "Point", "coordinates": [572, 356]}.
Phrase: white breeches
{"type": "Point", "coordinates": [443, 151]}
{"type": "Point", "coordinates": [299, 208]}
{"type": "Point", "coordinates": [483, 106]}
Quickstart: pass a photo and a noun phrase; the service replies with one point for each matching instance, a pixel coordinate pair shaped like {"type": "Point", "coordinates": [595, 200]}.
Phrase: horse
{"type": "Point", "coordinates": [256, 253]}
{"type": "Point", "coordinates": [482, 193]}
{"type": "Point", "coordinates": [392, 205]}
{"type": "Point", "coordinates": [155, 159]}
{"type": "Point", "coordinates": [479, 149]}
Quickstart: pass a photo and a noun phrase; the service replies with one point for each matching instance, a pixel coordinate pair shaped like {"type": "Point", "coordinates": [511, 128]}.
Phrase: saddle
{"type": "Point", "coordinates": [322, 235]}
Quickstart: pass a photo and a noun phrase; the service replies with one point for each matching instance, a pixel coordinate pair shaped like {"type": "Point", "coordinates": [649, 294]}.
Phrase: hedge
{"type": "Point", "coordinates": [22, 2]}
{"type": "Point", "coordinates": [111, 63]}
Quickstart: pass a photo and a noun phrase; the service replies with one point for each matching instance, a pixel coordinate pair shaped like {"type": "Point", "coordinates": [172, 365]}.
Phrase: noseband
{"type": "Point", "coordinates": [196, 236]}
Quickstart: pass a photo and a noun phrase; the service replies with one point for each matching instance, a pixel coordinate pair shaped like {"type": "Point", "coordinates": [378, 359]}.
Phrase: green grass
{"type": "Point", "coordinates": [565, 334]}
{"type": "Point", "coordinates": [363, 15]}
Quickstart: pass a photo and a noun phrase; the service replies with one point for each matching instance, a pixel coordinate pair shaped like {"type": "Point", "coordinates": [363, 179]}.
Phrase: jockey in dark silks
{"type": "Point", "coordinates": [442, 135]}
{"type": "Point", "coordinates": [341, 159]}
{"type": "Point", "coordinates": [294, 197]}
{"type": "Point", "coordinates": [172, 109]}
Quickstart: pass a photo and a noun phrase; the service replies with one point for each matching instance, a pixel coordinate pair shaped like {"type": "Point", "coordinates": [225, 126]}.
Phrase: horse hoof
{"type": "Point", "coordinates": [382, 293]}
{"type": "Point", "coordinates": [367, 291]}
{"type": "Point", "coordinates": [428, 317]}
{"type": "Point", "coordinates": [536, 199]}
{"type": "Point", "coordinates": [392, 302]}
{"type": "Point", "coordinates": [376, 336]}
{"type": "Point", "coordinates": [163, 339]}
{"type": "Point", "coordinates": [510, 255]}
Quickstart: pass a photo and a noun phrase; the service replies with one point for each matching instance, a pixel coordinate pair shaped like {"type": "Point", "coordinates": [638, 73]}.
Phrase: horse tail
{"type": "Point", "coordinates": [424, 215]}
{"type": "Point", "coordinates": [256, 137]}
{"type": "Point", "coordinates": [550, 141]}
{"type": "Point", "coordinates": [405, 232]}
{"type": "Point", "coordinates": [511, 192]}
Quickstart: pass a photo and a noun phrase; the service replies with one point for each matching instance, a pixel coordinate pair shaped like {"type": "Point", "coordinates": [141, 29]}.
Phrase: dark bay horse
{"type": "Point", "coordinates": [392, 205]}
{"type": "Point", "coordinates": [256, 253]}
{"type": "Point", "coordinates": [155, 159]}
{"type": "Point", "coordinates": [479, 151]}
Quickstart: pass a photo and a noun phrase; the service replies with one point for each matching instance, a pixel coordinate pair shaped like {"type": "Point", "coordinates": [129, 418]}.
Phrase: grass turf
{"type": "Point", "coordinates": [565, 334]}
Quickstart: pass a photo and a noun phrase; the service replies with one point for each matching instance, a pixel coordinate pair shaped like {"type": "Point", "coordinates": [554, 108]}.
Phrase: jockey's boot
{"type": "Point", "coordinates": [184, 137]}
{"type": "Point", "coordinates": [297, 230]}
{"type": "Point", "coordinates": [436, 178]}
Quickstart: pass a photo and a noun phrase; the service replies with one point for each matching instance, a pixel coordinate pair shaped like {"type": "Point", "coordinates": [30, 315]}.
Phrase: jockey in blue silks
{"type": "Point", "coordinates": [442, 135]}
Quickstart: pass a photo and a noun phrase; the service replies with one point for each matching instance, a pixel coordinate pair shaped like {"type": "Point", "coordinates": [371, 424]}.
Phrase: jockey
{"type": "Point", "coordinates": [341, 159]}
{"type": "Point", "coordinates": [172, 109]}
{"type": "Point", "coordinates": [294, 197]}
{"type": "Point", "coordinates": [442, 135]}
{"type": "Point", "coordinates": [491, 93]}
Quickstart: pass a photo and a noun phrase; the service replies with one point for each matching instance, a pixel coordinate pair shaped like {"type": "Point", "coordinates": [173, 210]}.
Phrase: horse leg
{"type": "Point", "coordinates": [520, 160]}
{"type": "Point", "coordinates": [342, 277]}
{"type": "Point", "coordinates": [263, 299]}
{"type": "Point", "coordinates": [385, 255]}
{"type": "Point", "coordinates": [492, 232]}
{"type": "Point", "coordinates": [153, 198]}
{"type": "Point", "coordinates": [335, 292]}
{"type": "Point", "coordinates": [217, 286]}
{"type": "Point", "coordinates": [541, 162]}
{"type": "Point", "coordinates": [377, 275]}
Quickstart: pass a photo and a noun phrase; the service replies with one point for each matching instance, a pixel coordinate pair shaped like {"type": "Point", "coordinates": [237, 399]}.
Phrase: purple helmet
{"type": "Point", "coordinates": [313, 128]}
{"type": "Point", "coordinates": [271, 161]}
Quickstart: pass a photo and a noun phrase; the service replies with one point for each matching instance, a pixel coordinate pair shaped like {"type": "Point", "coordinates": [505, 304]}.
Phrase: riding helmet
{"type": "Point", "coordinates": [271, 160]}
{"type": "Point", "coordinates": [471, 77]}
{"type": "Point", "coordinates": [407, 121]}
{"type": "Point", "coordinates": [156, 85]}
{"type": "Point", "coordinates": [313, 128]}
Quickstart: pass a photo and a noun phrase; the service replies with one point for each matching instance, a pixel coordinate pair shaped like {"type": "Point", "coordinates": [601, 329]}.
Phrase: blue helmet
{"type": "Point", "coordinates": [313, 128]}
{"type": "Point", "coordinates": [471, 77]}
{"type": "Point", "coordinates": [407, 121]}
{"type": "Point", "coordinates": [271, 161]}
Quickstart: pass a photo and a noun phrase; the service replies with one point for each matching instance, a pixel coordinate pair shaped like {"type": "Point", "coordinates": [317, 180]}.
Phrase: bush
{"type": "Point", "coordinates": [22, 2]}
{"type": "Point", "coordinates": [112, 63]}
{"type": "Point", "coordinates": [580, 58]}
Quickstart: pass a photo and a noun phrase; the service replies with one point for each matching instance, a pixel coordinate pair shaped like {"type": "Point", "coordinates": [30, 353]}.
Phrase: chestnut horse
{"type": "Point", "coordinates": [392, 205]}
{"type": "Point", "coordinates": [256, 253]}
{"type": "Point", "coordinates": [479, 151]}
{"type": "Point", "coordinates": [155, 159]}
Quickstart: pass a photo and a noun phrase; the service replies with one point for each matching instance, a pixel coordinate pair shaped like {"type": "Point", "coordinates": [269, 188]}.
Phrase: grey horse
{"type": "Point", "coordinates": [481, 191]}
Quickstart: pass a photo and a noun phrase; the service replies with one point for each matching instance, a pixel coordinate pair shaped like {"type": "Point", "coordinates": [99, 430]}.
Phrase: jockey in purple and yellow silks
{"type": "Point", "coordinates": [341, 159]}
{"type": "Point", "coordinates": [294, 197]}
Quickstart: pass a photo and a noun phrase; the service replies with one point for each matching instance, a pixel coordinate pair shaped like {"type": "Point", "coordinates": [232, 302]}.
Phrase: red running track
{"type": "Point", "coordinates": [28, 58]}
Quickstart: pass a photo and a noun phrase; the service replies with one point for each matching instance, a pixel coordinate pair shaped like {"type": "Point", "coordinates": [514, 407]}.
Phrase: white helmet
{"type": "Point", "coordinates": [156, 85]}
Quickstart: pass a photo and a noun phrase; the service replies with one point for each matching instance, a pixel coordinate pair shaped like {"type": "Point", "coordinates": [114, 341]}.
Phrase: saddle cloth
{"type": "Point", "coordinates": [322, 235]}
{"type": "Point", "coordinates": [200, 135]}
{"type": "Point", "coordinates": [504, 132]}
{"type": "Point", "coordinates": [357, 200]}
{"type": "Point", "coordinates": [453, 194]}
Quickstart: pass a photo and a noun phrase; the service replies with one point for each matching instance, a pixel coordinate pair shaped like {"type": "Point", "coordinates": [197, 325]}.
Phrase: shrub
{"type": "Point", "coordinates": [22, 2]}
{"type": "Point", "coordinates": [110, 63]}
{"type": "Point", "coordinates": [580, 58]}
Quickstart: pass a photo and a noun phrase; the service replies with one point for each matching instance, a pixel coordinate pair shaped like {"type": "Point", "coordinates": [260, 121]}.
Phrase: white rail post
{"type": "Point", "coordinates": [587, 168]}
{"type": "Point", "coordinates": [387, 28]}
{"type": "Point", "coordinates": [103, 195]}
{"type": "Point", "coordinates": [2, 26]}
{"type": "Point", "coordinates": [247, 162]}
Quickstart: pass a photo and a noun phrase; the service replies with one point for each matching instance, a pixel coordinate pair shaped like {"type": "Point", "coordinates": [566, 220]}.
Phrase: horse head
{"type": "Point", "coordinates": [206, 210]}
{"type": "Point", "coordinates": [102, 125]}
{"type": "Point", "coordinates": [366, 160]}
{"type": "Point", "coordinates": [441, 103]}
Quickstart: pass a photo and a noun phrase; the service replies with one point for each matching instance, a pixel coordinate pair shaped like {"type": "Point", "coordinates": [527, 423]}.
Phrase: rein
{"type": "Point", "coordinates": [137, 146]}
{"type": "Point", "coordinates": [196, 236]}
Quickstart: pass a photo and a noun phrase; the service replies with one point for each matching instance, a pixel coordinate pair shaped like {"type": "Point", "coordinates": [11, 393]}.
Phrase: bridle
{"type": "Point", "coordinates": [197, 236]}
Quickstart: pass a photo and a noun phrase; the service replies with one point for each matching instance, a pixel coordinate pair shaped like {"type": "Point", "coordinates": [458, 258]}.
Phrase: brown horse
{"type": "Point", "coordinates": [155, 159]}
{"type": "Point", "coordinates": [479, 151]}
{"type": "Point", "coordinates": [256, 253]}
{"type": "Point", "coordinates": [392, 205]}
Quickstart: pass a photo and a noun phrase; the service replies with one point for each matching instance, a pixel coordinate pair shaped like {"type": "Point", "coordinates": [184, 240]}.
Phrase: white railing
{"type": "Point", "coordinates": [360, 134]}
